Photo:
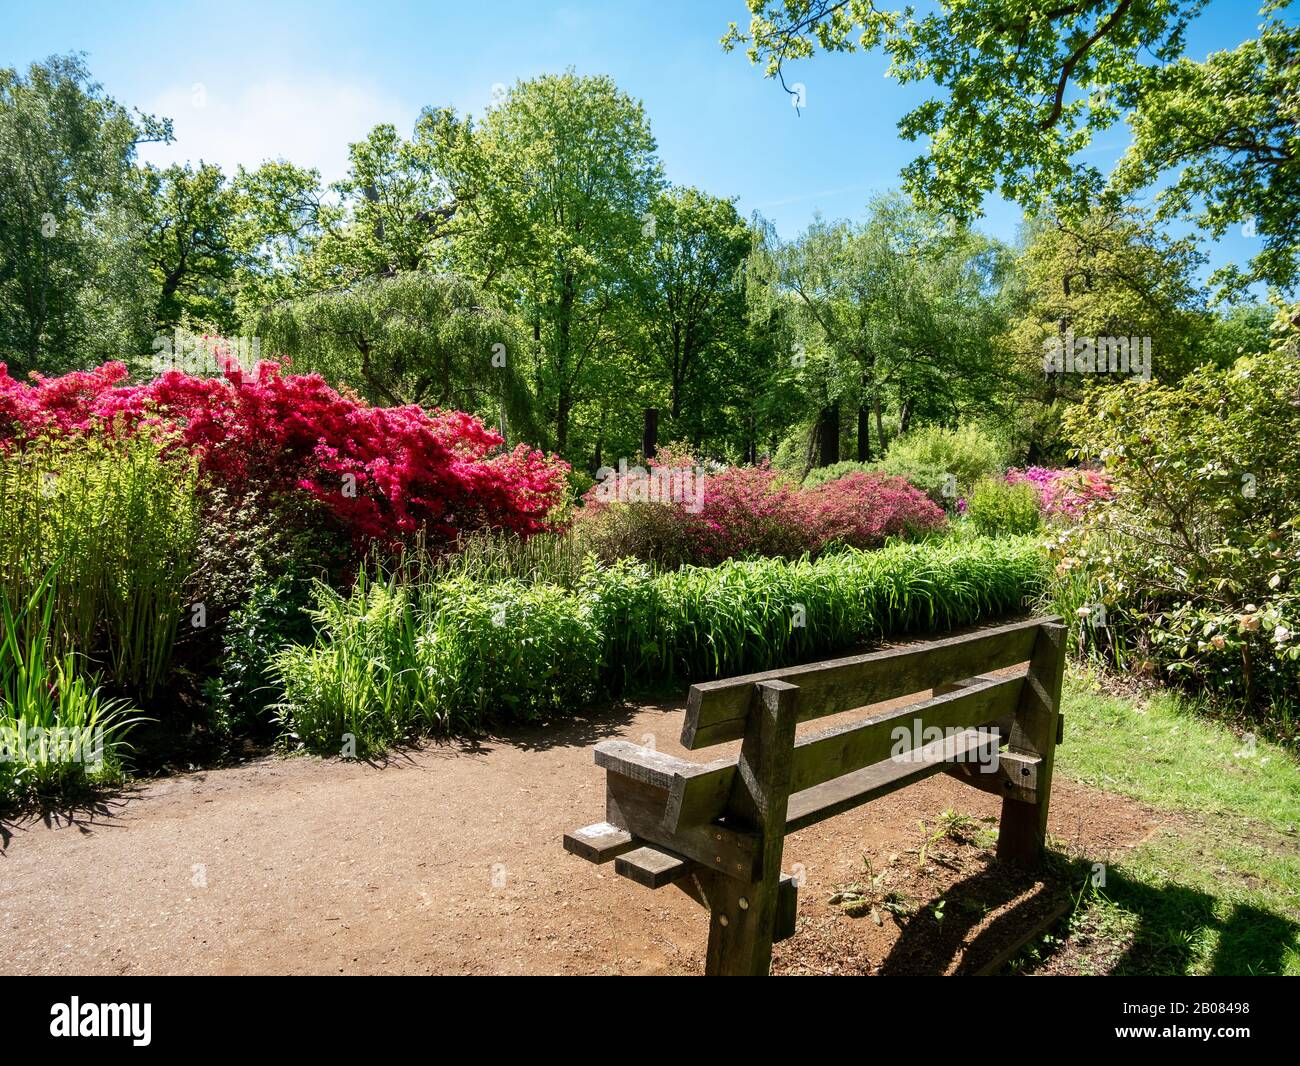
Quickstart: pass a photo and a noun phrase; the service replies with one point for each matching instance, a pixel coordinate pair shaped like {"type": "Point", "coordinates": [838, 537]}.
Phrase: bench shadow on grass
{"type": "Point", "coordinates": [1171, 920]}
{"type": "Point", "coordinates": [1159, 931]}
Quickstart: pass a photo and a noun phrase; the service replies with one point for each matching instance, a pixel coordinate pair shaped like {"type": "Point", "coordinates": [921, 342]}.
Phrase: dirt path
{"type": "Point", "coordinates": [445, 860]}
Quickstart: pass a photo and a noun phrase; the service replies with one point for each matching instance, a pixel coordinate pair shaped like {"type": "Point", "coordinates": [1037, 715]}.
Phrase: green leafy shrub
{"type": "Point", "coordinates": [1192, 567]}
{"type": "Point", "coordinates": [272, 616]}
{"type": "Point", "coordinates": [115, 521]}
{"type": "Point", "coordinates": [394, 659]}
{"type": "Point", "coordinates": [967, 454]}
{"type": "Point", "coordinates": [819, 475]}
{"type": "Point", "coordinates": [998, 507]}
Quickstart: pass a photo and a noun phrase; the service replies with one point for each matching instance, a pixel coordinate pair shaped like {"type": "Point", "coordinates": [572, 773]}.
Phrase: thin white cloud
{"type": "Point", "coordinates": [309, 122]}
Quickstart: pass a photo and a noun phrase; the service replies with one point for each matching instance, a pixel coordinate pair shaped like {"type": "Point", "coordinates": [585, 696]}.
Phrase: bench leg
{"type": "Point", "coordinates": [1023, 829]}
{"type": "Point", "coordinates": [743, 915]}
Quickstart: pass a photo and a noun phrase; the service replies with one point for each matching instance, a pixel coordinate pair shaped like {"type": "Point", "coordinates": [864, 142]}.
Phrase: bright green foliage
{"type": "Point", "coordinates": [396, 659]}
{"type": "Point", "coordinates": [190, 244]}
{"type": "Point", "coordinates": [899, 309]}
{"type": "Point", "coordinates": [431, 339]}
{"type": "Point", "coordinates": [554, 192]}
{"type": "Point", "coordinates": [996, 506]}
{"type": "Point", "coordinates": [1196, 558]}
{"type": "Point", "coordinates": [965, 454]}
{"type": "Point", "coordinates": [1025, 88]}
{"type": "Point", "coordinates": [71, 236]}
{"type": "Point", "coordinates": [58, 734]}
{"type": "Point", "coordinates": [1226, 127]}
{"type": "Point", "coordinates": [691, 300]}
{"type": "Point", "coordinates": [116, 522]}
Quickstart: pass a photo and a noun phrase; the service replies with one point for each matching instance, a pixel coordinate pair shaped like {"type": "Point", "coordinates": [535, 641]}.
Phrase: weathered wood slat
{"type": "Point", "coordinates": [1023, 828]}
{"type": "Point", "coordinates": [1015, 776]}
{"type": "Point", "coordinates": [640, 809]}
{"type": "Point", "coordinates": [699, 794]}
{"type": "Point", "coordinates": [645, 765]}
{"type": "Point", "coordinates": [652, 867]}
{"type": "Point", "coordinates": [841, 794]}
{"type": "Point", "coordinates": [716, 710]}
{"type": "Point", "coordinates": [599, 843]}
{"type": "Point", "coordinates": [743, 914]}
{"type": "Point", "coordinates": [787, 909]}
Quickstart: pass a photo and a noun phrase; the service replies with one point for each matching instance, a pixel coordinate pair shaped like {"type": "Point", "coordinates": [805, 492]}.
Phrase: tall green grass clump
{"type": "Point", "coordinates": [115, 521]}
{"type": "Point", "coordinates": [495, 555]}
{"type": "Point", "coordinates": [393, 659]}
{"type": "Point", "coordinates": [58, 734]}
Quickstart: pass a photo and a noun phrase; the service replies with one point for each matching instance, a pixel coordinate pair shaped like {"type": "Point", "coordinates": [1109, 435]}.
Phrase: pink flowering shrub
{"type": "Point", "coordinates": [1066, 492]}
{"type": "Point", "coordinates": [863, 510]}
{"type": "Point", "coordinates": [751, 510]}
{"type": "Point", "coordinates": [675, 512]}
{"type": "Point", "coordinates": [382, 473]}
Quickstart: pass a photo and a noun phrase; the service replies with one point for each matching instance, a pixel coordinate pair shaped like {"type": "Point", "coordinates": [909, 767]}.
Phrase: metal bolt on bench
{"type": "Point", "coordinates": [717, 829]}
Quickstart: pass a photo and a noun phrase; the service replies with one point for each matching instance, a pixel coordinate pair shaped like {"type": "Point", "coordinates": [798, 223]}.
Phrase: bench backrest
{"type": "Point", "coordinates": [717, 711]}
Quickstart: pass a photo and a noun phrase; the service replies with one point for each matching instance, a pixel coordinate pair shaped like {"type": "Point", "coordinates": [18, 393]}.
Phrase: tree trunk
{"type": "Point", "coordinates": [828, 434]}
{"type": "Point", "coordinates": [562, 408]}
{"type": "Point", "coordinates": [650, 433]}
{"type": "Point", "coordinates": [880, 424]}
{"type": "Point", "coordinates": [864, 433]}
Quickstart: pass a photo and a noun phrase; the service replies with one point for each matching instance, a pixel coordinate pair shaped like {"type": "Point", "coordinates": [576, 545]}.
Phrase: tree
{"type": "Point", "coordinates": [1026, 87]}
{"type": "Point", "coordinates": [1102, 275]}
{"type": "Point", "coordinates": [689, 296]}
{"type": "Point", "coordinates": [417, 338]}
{"type": "Point", "coordinates": [71, 290]}
{"type": "Point", "coordinates": [906, 307]}
{"type": "Point", "coordinates": [190, 244]}
{"type": "Point", "coordinates": [391, 211]}
{"type": "Point", "coordinates": [551, 193]}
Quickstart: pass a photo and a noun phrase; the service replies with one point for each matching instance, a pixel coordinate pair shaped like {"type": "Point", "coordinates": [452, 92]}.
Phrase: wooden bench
{"type": "Point", "coordinates": [716, 829]}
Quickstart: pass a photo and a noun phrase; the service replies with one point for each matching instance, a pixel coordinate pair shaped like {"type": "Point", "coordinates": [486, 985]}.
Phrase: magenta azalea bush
{"type": "Point", "coordinates": [864, 510]}
{"type": "Point", "coordinates": [675, 511]}
{"type": "Point", "coordinates": [1067, 492]}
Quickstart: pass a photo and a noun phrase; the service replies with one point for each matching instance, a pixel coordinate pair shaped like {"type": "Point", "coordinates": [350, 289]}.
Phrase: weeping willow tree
{"type": "Point", "coordinates": [431, 339]}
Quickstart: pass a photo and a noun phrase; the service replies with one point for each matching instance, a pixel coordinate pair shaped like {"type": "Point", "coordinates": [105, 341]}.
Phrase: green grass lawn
{"type": "Point", "coordinates": [1217, 889]}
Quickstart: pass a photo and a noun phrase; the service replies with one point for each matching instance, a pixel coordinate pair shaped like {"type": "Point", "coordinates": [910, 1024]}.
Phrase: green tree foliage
{"type": "Point", "coordinates": [70, 224]}
{"type": "Point", "coordinates": [1025, 87]}
{"type": "Point", "coordinates": [190, 244]}
{"type": "Point", "coordinates": [429, 339]}
{"type": "Point", "coordinates": [1196, 557]}
{"type": "Point", "coordinates": [553, 191]}
{"type": "Point", "coordinates": [690, 298]}
{"type": "Point", "coordinates": [1100, 275]}
{"type": "Point", "coordinates": [900, 308]}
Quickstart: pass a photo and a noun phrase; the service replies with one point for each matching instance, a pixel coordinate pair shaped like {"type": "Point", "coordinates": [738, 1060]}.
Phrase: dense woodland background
{"type": "Point", "coordinates": [536, 266]}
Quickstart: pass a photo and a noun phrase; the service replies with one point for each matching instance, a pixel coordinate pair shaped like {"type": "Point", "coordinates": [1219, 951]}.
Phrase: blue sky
{"type": "Point", "coordinates": [245, 81]}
